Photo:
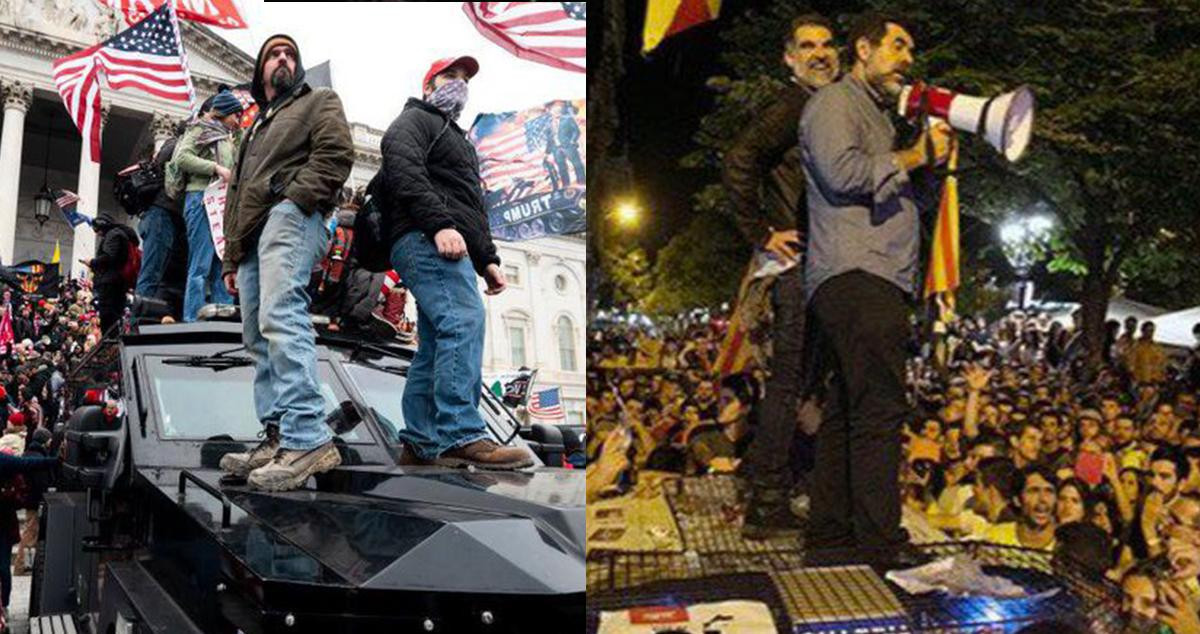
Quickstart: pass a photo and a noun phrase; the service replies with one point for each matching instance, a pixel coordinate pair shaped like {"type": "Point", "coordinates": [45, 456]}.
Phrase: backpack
{"type": "Point", "coordinates": [371, 248]}
{"type": "Point", "coordinates": [174, 178]}
{"type": "Point", "coordinates": [133, 264]}
{"type": "Point", "coordinates": [136, 186]}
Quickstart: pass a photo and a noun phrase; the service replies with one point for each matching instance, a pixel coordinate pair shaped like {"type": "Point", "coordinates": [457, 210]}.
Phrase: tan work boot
{"type": "Point", "coordinates": [485, 454]}
{"type": "Point", "coordinates": [290, 467]}
{"type": "Point", "coordinates": [241, 464]}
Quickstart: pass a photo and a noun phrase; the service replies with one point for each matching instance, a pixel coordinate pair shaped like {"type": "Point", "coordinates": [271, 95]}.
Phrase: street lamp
{"type": "Point", "coordinates": [627, 214]}
{"type": "Point", "coordinates": [42, 201]}
{"type": "Point", "coordinates": [1023, 239]}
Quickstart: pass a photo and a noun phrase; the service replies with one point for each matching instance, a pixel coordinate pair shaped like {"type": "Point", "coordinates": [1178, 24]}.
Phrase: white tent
{"type": "Point", "coordinates": [1175, 329]}
{"type": "Point", "coordinates": [1118, 308]}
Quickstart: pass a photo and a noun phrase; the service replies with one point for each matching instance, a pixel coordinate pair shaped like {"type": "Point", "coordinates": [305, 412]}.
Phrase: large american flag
{"type": "Point", "coordinates": [515, 151]}
{"type": "Point", "coordinates": [512, 146]}
{"type": "Point", "coordinates": [148, 56]}
{"type": "Point", "coordinates": [547, 405]}
{"type": "Point", "coordinates": [552, 33]}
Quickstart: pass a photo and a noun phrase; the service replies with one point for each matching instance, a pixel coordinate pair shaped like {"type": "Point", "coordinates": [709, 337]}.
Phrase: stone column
{"type": "Point", "coordinates": [163, 125]}
{"type": "Point", "coordinates": [84, 245]}
{"type": "Point", "coordinates": [18, 98]}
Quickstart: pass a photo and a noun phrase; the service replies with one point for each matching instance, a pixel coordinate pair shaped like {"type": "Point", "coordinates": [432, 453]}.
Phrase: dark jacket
{"type": "Point", "coordinates": [430, 186]}
{"type": "Point", "coordinates": [766, 158]}
{"type": "Point", "coordinates": [298, 148]}
{"type": "Point", "coordinates": [568, 131]}
{"type": "Point", "coordinates": [111, 252]}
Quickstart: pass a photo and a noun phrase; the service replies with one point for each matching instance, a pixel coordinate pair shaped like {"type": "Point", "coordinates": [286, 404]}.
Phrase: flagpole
{"type": "Point", "coordinates": [182, 54]}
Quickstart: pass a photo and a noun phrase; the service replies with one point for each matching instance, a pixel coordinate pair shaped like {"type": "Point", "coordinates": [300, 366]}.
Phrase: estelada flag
{"type": "Point", "coordinates": [736, 350]}
{"type": "Point", "coordinates": [222, 13]}
{"type": "Point", "coordinates": [942, 275]}
{"type": "Point", "coordinates": [665, 18]}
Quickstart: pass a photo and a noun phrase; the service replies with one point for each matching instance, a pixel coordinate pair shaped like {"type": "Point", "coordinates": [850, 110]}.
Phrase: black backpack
{"type": "Point", "coordinates": [371, 248]}
{"type": "Point", "coordinates": [136, 186]}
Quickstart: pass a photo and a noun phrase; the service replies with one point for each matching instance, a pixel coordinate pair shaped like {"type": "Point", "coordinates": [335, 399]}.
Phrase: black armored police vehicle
{"type": "Point", "coordinates": [142, 533]}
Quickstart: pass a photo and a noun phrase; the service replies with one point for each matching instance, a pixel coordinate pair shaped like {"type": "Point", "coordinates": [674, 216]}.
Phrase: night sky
{"type": "Point", "coordinates": [662, 100]}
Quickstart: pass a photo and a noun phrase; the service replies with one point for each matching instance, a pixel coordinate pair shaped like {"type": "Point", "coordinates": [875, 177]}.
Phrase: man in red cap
{"type": "Point", "coordinates": [432, 205]}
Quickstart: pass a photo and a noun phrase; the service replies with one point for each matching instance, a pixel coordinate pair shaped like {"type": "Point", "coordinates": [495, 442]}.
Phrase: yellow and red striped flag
{"type": "Point", "coordinates": [942, 275]}
{"type": "Point", "coordinates": [665, 18]}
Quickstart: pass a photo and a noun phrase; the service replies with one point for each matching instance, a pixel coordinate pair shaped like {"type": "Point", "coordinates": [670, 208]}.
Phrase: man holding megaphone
{"type": "Point", "coordinates": [860, 276]}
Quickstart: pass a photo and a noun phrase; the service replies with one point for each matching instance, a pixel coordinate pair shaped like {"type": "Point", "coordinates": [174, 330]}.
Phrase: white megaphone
{"type": "Point", "coordinates": [1006, 121]}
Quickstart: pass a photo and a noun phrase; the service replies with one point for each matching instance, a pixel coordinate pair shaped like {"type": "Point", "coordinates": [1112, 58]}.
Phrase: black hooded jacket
{"type": "Point", "coordinates": [111, 252]}
{"type": "Point", "coordinates": [429, 181]}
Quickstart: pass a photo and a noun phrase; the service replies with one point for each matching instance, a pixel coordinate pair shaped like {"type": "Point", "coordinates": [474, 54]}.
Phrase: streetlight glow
{"type": "Point", "coordinates": [628, 214]}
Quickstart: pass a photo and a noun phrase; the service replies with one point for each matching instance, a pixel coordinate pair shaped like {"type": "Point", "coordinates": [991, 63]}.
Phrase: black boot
{"type": "Point", "coordinates": [768, 515]}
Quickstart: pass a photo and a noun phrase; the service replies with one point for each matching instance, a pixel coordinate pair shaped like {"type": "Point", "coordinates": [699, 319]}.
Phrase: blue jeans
{"type": "Point", "coordinates": [157, 232]}
{"type": "Point", "coordinates": [441, 396]}
{"type": "Point", "coordinates": [276, 326]}
{"type": "Point", "coordinates": [204, 269]}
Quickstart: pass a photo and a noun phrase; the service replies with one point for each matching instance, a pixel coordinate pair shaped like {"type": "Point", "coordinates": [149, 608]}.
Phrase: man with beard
{"type": "Point", "coordinates": [861, 266]}
{"type": "Point", "coordinates": [435, 221]}
{"type": "Point", "coordinates": [1168, 468]}
{"type": "Point", "coordinates": [291, 167]}
{"type": "Point", "coordinates": [1036, 500]}
{"type": "Point", "coordinates": [765, 157]}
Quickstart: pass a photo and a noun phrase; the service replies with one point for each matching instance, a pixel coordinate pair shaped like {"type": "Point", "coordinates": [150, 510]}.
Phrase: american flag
{"type": "Point", "coordinates": [547, 405]}
{"type": "Point", "coordinates": [148, 56]}
{"type": "Point", "coordinates": [552, 33]}
{"type": "Point", "coordinates": [513, 153]}
{"type": "Point", "coordinates": [512, 146]}
{"type": "Point", "coordinates": [66, 201]}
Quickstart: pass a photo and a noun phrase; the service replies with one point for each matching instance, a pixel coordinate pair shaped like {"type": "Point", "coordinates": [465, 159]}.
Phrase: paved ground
{"type": "Point", "coordinates": [18, 605]}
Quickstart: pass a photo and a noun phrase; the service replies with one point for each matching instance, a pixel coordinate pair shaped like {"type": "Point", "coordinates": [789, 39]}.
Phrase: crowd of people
{"type": "Point", "coordinates": [39, 338]}
{"type": "Point", "coordinates": [1012, 440]}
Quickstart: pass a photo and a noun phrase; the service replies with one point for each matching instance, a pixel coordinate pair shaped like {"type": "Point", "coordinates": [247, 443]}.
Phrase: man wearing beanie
{"type": "Point", "coordinates": [434, 217]}
{"type": "Point", "coordinates": [290, 169]}
{"type": "Point", "coordinates": [205, 152]}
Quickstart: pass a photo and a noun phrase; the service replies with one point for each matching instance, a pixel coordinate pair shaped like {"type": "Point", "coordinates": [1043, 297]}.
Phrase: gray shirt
{"type": "Point", "coordinates": [861, 210]}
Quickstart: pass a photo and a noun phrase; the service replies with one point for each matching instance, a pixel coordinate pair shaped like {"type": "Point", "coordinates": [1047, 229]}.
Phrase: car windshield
{"type": "Point", "coordinates": [383, 392]}
{"type": "Point", "coordinates": [200, 403]}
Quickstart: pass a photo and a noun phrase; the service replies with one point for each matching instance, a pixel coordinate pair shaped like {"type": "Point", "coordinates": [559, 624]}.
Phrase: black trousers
{"type": "Point", "coordinates": [862, 320]}
{"type": "Point", "coordinates": [778, 444]}
{"type": "Point", "coordinates": [110, 303]}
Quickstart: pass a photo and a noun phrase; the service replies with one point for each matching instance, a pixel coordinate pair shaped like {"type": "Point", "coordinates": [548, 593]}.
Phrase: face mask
{"type": "Point", "coordinates": [450, 97]}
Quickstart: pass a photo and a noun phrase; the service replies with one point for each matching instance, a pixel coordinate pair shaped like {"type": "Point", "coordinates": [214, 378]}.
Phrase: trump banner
{"type": "Point", "coordinates": [532, 163]}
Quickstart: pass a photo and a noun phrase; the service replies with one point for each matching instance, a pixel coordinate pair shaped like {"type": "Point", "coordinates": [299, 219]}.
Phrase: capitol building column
{"type": "Point", "coordinates": [163, 126]}
{"type": "Point", "coordinates": [18, 98]}
{"type": "Point", "coordinates": [84, 246]}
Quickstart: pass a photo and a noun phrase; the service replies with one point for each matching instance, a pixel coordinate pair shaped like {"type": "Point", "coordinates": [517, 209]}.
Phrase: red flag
{"type": "Point", "coordinates": [222, 13]}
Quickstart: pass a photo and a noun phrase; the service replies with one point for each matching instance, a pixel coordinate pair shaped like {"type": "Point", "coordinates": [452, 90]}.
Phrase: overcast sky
{"type": "Point", "coordinates": [379, 51]}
